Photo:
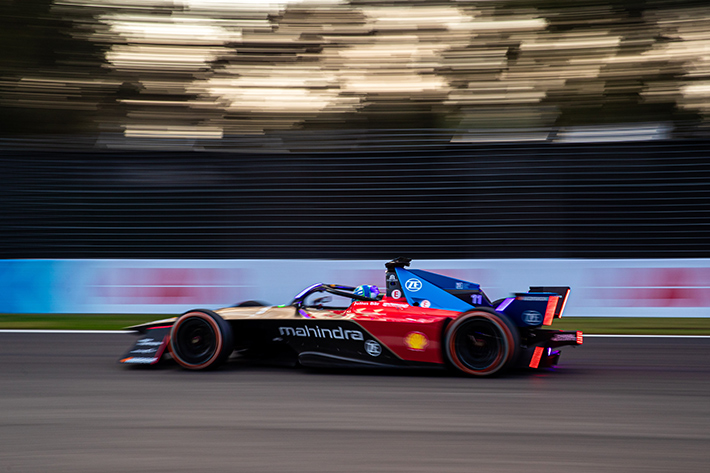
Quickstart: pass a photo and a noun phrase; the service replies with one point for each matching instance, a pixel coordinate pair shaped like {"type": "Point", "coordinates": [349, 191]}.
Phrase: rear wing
{"type": "Point", "coordinates": [562, 291]}
{"type": "Point", "coordinates": [538, 307]}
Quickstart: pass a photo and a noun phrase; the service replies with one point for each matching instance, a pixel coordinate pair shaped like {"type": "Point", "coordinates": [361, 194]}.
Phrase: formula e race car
{"type": "Point", "coordinates": [423, 320]}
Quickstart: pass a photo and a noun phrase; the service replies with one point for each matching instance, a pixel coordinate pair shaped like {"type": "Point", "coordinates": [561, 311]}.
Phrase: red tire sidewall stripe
{"type": "Point", "coordinates": [495, 366]}
{"type": "Point", "coordinates": [218, 336]}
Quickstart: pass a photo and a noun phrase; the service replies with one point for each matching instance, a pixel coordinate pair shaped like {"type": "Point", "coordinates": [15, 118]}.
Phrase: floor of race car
{"type": "Point", "coordinates": [613, 405]}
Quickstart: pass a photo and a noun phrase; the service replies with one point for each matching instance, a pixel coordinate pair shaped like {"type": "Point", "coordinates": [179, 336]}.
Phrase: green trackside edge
{"type": "Point", "coordinates": [75, 321]}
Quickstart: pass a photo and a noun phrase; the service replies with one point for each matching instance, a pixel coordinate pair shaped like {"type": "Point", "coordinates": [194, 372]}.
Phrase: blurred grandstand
{"type": "Point", "coordinates": [354, 129]}
{"type": "Point", "coordinates": [209, 69]}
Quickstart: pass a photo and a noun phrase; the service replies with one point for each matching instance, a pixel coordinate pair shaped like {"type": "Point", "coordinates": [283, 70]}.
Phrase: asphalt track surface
{"type": "Point", "coordinates": [613, 405]}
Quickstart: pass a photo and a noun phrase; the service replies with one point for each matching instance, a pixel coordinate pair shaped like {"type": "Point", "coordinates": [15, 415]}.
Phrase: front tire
{"type": "Point", "coordinates": [200, 340]}
{"type": "Point", "coordinates": [481, 343]}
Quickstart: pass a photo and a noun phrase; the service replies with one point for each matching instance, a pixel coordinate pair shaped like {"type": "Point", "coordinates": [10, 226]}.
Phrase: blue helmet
{"type": "Point", "coordinates": [367, 291]}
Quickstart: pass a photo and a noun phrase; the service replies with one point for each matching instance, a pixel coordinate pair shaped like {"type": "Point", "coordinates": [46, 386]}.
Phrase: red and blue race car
{"type": "Point", "coordinates": [423, 319]}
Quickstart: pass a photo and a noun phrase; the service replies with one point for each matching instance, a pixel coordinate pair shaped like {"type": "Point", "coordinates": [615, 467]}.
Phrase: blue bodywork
{"type": "Point", "coordinates": [426, 289]}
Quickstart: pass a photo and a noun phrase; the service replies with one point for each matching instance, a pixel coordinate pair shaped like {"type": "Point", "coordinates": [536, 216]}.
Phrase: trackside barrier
{"type": "Point", "coordinates": [606, 288]}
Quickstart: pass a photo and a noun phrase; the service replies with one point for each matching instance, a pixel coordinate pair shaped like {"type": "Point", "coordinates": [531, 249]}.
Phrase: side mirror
{"type": "Point", "coordinates": [322, 300]}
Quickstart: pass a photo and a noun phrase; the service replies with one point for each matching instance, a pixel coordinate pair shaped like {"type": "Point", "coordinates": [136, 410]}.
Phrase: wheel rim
{"type": "Point", "coordinates": [196, 341]}
{"type": "Point", "coordinates": [479, 345]}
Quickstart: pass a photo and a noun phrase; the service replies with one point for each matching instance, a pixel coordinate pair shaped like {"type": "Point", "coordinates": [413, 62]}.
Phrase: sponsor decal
{"type": "Point", "coordinates": [392, 277]}
{"type": "Point", "coordinates": [390, 304]}
{"type": "Point", "coordinates": [459, 285]}
{"type": "Point", "coordinates": [564, 337]}
{"type": "Point", "coordinates": [532, 317]}
{"type": "Point", "coordinates": [397, 294]}
{"type": "Point", "coordinates": [144, 351]}
{"type": "Point", "coordinates": [425, 304]}
{"type": "Point", "coordinates": [151, 342]}
{"type": "Point", "coordinates": [413, 285]}
{"type": "Point", "coordinates": [416, 341]}
{"type": "Point", "coordinates": [318, 332]}
{"type": "Point", "coordinates": [533, 298]}
{"type": "Point", "coordinates": [139, 360]}
{"type": "Point", "coordinates": [373, 348]}
{"type": "Point", "coordinates": [399, 305]}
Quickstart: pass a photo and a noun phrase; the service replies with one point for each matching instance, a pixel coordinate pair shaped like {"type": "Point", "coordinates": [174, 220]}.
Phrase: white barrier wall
{"type": "Point", "coordinates": [607, 288]}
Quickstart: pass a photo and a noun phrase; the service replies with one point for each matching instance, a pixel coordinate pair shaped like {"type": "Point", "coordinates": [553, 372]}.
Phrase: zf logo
{"type": "Point", "coordinates": [413, 285]}
{"type": "Point", "coordinates": [373, 348]}
{"type": "Point", "coordinates": [532, 317]}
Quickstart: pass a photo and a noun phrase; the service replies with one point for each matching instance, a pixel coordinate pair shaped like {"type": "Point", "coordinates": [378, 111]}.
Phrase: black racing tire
{"type": "Point", "coordinates": [200, 340]}
{"type": "Point", "coordinates": [481, 343]}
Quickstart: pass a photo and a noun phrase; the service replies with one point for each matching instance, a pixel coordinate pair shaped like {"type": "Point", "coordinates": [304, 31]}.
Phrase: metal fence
{"type": "Point", "coordinates": [356, 196]}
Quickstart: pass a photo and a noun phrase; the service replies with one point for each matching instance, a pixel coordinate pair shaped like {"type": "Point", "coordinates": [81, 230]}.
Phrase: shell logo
{"type": "Point", "coordinates": [416, 341]}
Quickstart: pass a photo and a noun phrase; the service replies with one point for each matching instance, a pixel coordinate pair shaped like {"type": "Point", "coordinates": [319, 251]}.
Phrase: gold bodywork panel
{"type": "Point", "coordinates": [273, 312]}
{"type": "Point", "coordinates": [264, 312]}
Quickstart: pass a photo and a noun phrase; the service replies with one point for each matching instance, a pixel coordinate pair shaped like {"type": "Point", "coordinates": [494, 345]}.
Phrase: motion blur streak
{"type": "Point", "coordinates": [367, 196]}
{"type": "Point", "coordinates": [212, 68]}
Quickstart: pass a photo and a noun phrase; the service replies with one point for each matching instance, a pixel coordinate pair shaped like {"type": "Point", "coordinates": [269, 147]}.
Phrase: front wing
{"type": "Point", "coordinates": [150, 348]}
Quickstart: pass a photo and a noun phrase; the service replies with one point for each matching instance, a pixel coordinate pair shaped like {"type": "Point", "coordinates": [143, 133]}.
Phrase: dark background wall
{"type": "Point", "coordinates": [616, 200]}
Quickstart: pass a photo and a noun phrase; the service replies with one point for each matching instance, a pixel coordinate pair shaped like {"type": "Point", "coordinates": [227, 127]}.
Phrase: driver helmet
{"type": "Point", "coordinates": [367, 291]}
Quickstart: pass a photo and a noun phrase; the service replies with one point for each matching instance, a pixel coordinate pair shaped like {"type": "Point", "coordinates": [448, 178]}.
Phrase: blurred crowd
{"type": "Point", "coordinates": [211, 68]}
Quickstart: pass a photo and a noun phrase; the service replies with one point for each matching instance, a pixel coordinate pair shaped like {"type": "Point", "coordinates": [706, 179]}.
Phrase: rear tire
{"type": "Point", "coordinates": [481, 343]}
{"type": "Point", "coordinates": [201, 340]}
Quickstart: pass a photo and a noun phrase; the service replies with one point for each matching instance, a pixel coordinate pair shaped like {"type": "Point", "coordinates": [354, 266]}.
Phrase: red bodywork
{"type": "Point", "coordinates": [412, 333]}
